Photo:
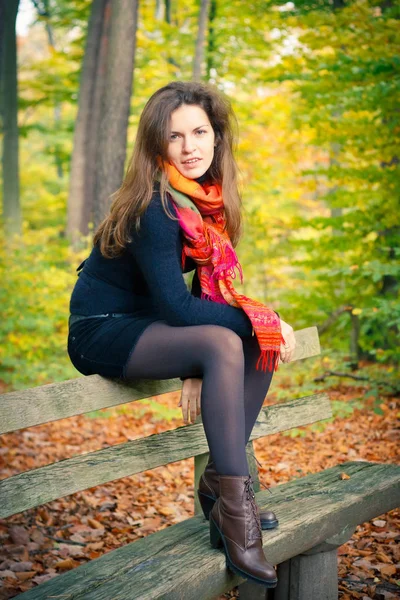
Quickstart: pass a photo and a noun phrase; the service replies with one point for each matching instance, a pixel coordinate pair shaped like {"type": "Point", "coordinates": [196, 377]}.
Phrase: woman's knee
{"type": "Point", "coordinates": [224, 343]}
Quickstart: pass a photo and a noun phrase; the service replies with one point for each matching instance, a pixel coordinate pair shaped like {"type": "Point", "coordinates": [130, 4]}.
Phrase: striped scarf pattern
{"type": "Point", "coordinates": [201, 216]}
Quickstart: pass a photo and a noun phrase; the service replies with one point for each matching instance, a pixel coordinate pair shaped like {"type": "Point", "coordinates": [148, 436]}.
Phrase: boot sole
{"type": "Point", "coordinates": [207, 502]}
{"type": "Point", "coordinates": [217, 540]}
{"type": "Point", "coordinates": [269, 524]}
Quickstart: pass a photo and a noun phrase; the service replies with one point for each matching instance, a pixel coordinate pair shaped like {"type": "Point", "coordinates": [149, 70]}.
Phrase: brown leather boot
{"type": "Point", "coordinates": [208, 492]}
{"type": "Point", "coordinates": [235, 524]}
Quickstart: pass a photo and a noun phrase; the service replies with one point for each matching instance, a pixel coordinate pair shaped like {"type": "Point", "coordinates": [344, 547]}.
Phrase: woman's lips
{"type": "Point", "coordinates": [191, 165]}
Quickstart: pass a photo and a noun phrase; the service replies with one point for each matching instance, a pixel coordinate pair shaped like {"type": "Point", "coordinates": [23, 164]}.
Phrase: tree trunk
{"type": "Point", "coordinates": [163, 12]}
{"type": "Point", "coordinates": [115, 105]}
{"type": "Point", "coordinates": [2, 12]}
{"type": "Point", "coordinates": [159, 10]}
{"type": "Point", "coordinates": [57, 105]}
{"type": "Point", "coordinates": [168, 11]}
{"type": "Point", "coordinates": [81, 188]}
{"type": "Point", "coordinates": [199, 55]}
{"type": "Point", "coordinates": [354, 341]}
{"type": "Point", "coordinates": [211, 39]}
{"type": "Point", "coordinates": [11, 202]}
{"type": "Point", "coordinates": [95, 119]}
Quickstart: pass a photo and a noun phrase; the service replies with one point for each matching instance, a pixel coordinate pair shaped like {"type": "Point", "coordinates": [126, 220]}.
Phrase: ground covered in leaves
{"type": "Point", "coordinates": [41, 543]}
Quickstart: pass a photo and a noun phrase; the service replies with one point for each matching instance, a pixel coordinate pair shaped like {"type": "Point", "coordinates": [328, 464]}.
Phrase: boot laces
{"type": "Point", "coordinates": [248, 488]}
{"type": "Point", "coordinates": [260, 465]}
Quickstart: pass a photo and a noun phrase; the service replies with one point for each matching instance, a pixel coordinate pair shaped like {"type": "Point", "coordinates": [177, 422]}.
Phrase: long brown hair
{"type": "Point", "coordinates": [135, 193]}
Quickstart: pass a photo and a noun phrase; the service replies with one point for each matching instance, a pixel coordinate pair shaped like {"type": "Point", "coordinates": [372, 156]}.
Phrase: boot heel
{"type": "Point", "coordinates": [215, 536]}
{"type": "Point", "coordinates": [206, 503]}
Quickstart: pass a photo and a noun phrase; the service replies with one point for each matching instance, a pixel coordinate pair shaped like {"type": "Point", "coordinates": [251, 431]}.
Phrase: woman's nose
{"type": "Point", "coordinates": [188, 144]}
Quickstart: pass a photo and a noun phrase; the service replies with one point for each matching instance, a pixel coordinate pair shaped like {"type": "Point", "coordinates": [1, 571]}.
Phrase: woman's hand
{"type": "Point", "coordinates": [287, 349]}
{"type": "Point", "coordinates": [190, 399]}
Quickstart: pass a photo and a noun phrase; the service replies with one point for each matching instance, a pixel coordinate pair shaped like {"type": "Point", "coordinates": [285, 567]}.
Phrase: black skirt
{"type": "Point", "coordinates": [103, 345]}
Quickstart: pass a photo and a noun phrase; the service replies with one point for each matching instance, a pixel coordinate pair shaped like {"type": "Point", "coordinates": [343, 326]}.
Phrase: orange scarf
{"type": "Point", "coordinates": [201, 217]}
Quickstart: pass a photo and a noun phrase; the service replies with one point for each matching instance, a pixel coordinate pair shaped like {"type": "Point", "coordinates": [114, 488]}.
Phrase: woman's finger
{"type": "Point", "coordinates": [199, 404]}
{"type": "Point", "coordinates": [193, 409]}
{"type": "Point", "coordinates": [292, 344]}
{"type": "Point", "coordinates": [185, 401]}
{"type": "Point", "coordinates": [190, 399]}
{"type": "Point", "coordinates": [285, 355]}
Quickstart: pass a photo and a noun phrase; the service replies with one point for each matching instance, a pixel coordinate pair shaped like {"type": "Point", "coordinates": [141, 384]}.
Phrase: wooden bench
{"type": "Point", "coordinates": [317, 513]}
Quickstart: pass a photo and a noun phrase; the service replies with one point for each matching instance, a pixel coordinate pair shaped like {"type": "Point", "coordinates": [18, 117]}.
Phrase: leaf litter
{"type": "Point", "coordinates": [43, 542]}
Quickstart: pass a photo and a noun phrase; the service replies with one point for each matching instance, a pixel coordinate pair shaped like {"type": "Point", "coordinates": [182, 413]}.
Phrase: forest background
{"type": "Point", "coordinates": [315, 87]}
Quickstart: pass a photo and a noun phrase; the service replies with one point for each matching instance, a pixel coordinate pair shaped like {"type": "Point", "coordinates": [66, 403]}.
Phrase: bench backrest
{"type": "Point", "coordinates": [77, 396]}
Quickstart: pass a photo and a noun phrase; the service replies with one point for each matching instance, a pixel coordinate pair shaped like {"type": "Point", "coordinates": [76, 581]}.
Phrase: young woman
{"type": "Point", "coordinates": [132, 315]}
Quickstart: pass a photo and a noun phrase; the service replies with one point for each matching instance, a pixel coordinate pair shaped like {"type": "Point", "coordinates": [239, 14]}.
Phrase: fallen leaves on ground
{"type": "Point", "coordinates": [41, 543]}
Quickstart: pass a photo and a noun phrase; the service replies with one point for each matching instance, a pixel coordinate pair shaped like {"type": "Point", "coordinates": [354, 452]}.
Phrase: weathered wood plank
{"type": "Point", "coordinates": [74, 397]}
{"type": "Point", "coordinates": [333, 543]}
{"type": "Point", "coordinates": [305, 577]}
{"type": "Point", "coordinates": [65, 477]}
{"type": "Point", "coordinates": [307, 343]}
{"type": "Point", "coordinates": [77, 396]}
{"type": "Point", "coordinates": [252, 591]}
{"type": "Point", "coordinates": [179, 563]}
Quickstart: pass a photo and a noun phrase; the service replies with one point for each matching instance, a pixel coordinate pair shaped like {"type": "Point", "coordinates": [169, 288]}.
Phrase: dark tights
{"type": "Point", "coordinates": [233, 391]}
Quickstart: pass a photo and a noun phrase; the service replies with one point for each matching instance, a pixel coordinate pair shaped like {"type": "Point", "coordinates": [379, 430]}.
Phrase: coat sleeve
{"type": "Point", "coordinates": [157, 250]}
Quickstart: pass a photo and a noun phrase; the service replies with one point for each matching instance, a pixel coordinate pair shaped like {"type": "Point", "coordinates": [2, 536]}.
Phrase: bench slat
{"type": "Point", "coordinates": [311, 510]}
{"type": "Point", "coordinates": [56, 401]}
{"type": "Point", "coordinates": [65, 477]}
{"type": "Point", "coordinates": [84, 394]}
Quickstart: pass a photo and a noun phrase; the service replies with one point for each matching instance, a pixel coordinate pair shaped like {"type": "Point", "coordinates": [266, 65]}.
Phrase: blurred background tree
{"type": "Point", "coordinates": [315, 86]}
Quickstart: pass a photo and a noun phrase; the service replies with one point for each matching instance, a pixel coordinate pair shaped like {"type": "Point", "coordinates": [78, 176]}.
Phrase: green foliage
{"type": "Point", "coordinates": [344, 247]}
{"type": "Point", "coordinates": [37, 272]}
{"type": "Point", "coordinates": [34, 297]}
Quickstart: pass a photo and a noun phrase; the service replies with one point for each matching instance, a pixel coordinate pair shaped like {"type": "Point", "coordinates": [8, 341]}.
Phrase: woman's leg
{"type": "Point", "coordinates": [216, 354]}
{"type": "Point", "coordinates": [256, 385]}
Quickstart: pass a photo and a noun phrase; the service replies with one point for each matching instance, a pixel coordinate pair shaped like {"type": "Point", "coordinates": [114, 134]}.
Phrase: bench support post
{"type": "Point", "coordinates": [313, 574]}
{"type": "Point", "coordinates": [253, 467]}
{"type": "Point", "coordinates": [252, 591]}
{"type": "Point", "coordinates": [200, 462]}
{"type": "Point", "coordinates": [305, 577]}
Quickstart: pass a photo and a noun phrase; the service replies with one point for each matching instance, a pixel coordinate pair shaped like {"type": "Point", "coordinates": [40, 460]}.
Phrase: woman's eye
{"type": "Point", "coordinates": [174, 136]}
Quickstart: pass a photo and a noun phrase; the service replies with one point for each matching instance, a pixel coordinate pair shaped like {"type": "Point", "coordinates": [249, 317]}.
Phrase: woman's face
{"type": "Point", "coordinates": [191, 141]}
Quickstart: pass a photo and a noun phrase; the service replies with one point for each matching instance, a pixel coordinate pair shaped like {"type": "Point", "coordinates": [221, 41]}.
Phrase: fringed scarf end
{"type": "Point", "coordinates": [213, 298]}
{"type": "Point", "coordinates": [268, 360]}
